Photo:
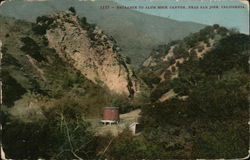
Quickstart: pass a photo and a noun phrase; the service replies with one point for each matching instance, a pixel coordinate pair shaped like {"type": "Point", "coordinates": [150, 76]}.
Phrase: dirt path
{"type": "Point", "coordinates": [168, 95]}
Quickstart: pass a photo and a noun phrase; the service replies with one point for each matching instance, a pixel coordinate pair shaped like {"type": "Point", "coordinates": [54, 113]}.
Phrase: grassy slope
{"type": "Point", "coordinates": [44, 82]}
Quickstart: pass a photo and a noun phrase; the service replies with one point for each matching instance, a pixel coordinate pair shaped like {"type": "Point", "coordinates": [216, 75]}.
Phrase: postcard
{"type": "Point", "coordinates": [124, 79]}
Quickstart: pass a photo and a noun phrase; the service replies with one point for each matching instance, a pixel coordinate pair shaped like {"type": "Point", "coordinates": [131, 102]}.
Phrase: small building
{"type": "Point", "coordinates": [110, 115]}
{"type": "Point", "coordinates": [135, 128]}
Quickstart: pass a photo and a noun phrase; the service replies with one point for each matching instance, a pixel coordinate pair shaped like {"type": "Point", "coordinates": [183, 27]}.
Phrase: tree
{"type": "Point", "coordinates": [31, 48]}
{"type": "Point", "coordinates": [42, 24]}
{"type": "Point", "coordinates": [11, 87]}
{"type": "Point", "coordinates": [72, 9]}
{"type": "Point", "coordinates": [128, 60]}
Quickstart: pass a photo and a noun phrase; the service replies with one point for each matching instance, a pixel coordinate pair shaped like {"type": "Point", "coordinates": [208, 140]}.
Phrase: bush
{"type": "Point", "coordinates": [180, 52]}
{"type": "Point", "coordinates": [128, 60]}
{"type": "Point", "coordinates": [12, 90]}
{"type": "Point", "coordinates": [192, 39]}
{"type": "Point", "coordinates": [173, 69]}
{"type": "Point", "coordinates": [193, 54]}
{"type": "Point", "coordinates": [167, 75]}
{"type": "Point", "coordinates": [126, 146]}
{"type": "Point", "coordinates": [228, 54]}
{"type": "Point", "coordinates": [200, 48]}
{"type": "Point", "coordinates": [228, 136]}
{"type": "Point", "coordinates": [39, 29]}
{"type": "Point", "coordinates": [83, 22]}
{"type": "Point", "coordinates": [58, 137]}
{"type": "Point", "coordinates": [72, 9]}
{"type": "Point", "coordinates": [121, 102]}
{"type": "Point", "coordinates": [31, 48]}
{"type": "Point", "coordinates": [208, 44]}
{"type": "Point", "coordinates": [171, 60]}
{"type": "Point", "coordinates": [70, 79]}
{"type": "Point", "coordinates": [8, 59]}
{"type": "Point", "coordinates": [162, 88]}
{"type": "Point", "coordinates": [216, 26]}
{"type": "Point", "coordinates": [223, 31]}
{"type": "Point", "coordinates": [43, 23]}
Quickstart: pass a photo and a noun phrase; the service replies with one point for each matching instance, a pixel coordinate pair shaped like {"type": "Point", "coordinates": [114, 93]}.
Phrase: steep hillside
{"type": "Point", "coordinates": [136, 33]}
{"type": "Point", "coordinates": [200, 96]}
{"type": "Point", "coordinates": [56, 61]}
{"type": "Point", "coordinates": [162, 66]}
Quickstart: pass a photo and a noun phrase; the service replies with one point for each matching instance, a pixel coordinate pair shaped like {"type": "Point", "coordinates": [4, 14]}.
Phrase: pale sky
{"type": "Point", "coordinates": [230, 17]}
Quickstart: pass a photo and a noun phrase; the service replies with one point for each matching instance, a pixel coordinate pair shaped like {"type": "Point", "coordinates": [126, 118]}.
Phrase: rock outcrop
{"type": "Point", "coordinates": [92, 52]}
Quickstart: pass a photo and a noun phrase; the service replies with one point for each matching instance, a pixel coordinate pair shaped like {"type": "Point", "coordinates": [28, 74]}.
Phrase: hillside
{"type": "Point", "coordinates": [57, 73]}
{"type": "Point", "coordinates": [61, 58]}
{"type": "Point", "coordinates": [199, 95]}
{"type": "Point", "coordinates": [162, 66]}
{"type": "Point", "coordinates": [136, 33]}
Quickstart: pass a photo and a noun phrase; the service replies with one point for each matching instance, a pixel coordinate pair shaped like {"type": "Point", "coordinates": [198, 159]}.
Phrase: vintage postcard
{"type": "Point", "coordinates": [124, 79]}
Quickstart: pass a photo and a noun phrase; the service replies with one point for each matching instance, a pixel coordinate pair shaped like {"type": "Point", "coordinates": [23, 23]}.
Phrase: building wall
{"type": "Point", "coordinates": [110, 114]}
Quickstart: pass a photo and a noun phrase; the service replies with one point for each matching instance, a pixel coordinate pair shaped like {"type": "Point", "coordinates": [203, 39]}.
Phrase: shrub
{"type": "Point", "coordinates": [128, 60]}
{"type": "Point", "coordinates": [180, 51]}
{"type": "Point", "coordinates": [43, 23]}
{"type": "Point", "coordinates": [223, 31]}
{"type": "Point", "coordinates": [216, 26]}
{"type": "Point", "coordinates": [173, 69]}
{"type": "Point", "coordinates": [8, 59]}
{"type": "Point", "coordinates": [72, 9]}
{"type": "Point", "coordinates": [171, 60]}
{"type": "Point", "coordinates": [12, 90]}
{"type": "Point", "coordinates": [31, 48]}
{"type": "Point", "coordinates": [193, 54]}
{"type": "Point", "coordinates": [192, 39]}
{"type": "Point", "coordinates": [162, 88]}
{"type": "Point", "coordinates": [70, 79]}
{"type": "Point", "coordinates": [167, 75]}
{"type": "Point", "coordinates": [83, 22]}
{"type": "Point", "coordinates": [39, 29]}
{"type": "Point", "coordinates": [126, 146]}
{"type": "Point", "coordinates": [200, 48]}
{"type": "Point", "coordinates": [208, 44]}
{"type": "Point", "coordinates": [60, 136]}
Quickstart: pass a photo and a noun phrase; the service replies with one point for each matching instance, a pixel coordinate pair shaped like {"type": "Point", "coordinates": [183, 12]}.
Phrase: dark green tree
{"type": "Point", "coordinates": [72, 9]}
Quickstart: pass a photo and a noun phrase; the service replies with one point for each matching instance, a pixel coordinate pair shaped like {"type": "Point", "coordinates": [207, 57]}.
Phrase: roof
{"type": "Point", "coordinates": [133, 124]}
{"type": "Point", "coordinates": [110, 108]}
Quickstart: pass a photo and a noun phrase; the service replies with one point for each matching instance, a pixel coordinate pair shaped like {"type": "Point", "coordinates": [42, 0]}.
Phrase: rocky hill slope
{"type": "Point", "coordinates": [62, 59]}
{"type": "Point", "coordinates": [91, 52]}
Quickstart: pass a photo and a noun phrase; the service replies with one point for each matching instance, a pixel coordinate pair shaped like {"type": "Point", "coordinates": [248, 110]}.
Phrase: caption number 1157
{"type": "Point", "coordinates": [104, 7]}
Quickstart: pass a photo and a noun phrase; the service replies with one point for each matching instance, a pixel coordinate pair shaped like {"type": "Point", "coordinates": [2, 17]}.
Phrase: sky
{"type": "Point", "coordinates": [230, 17]}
